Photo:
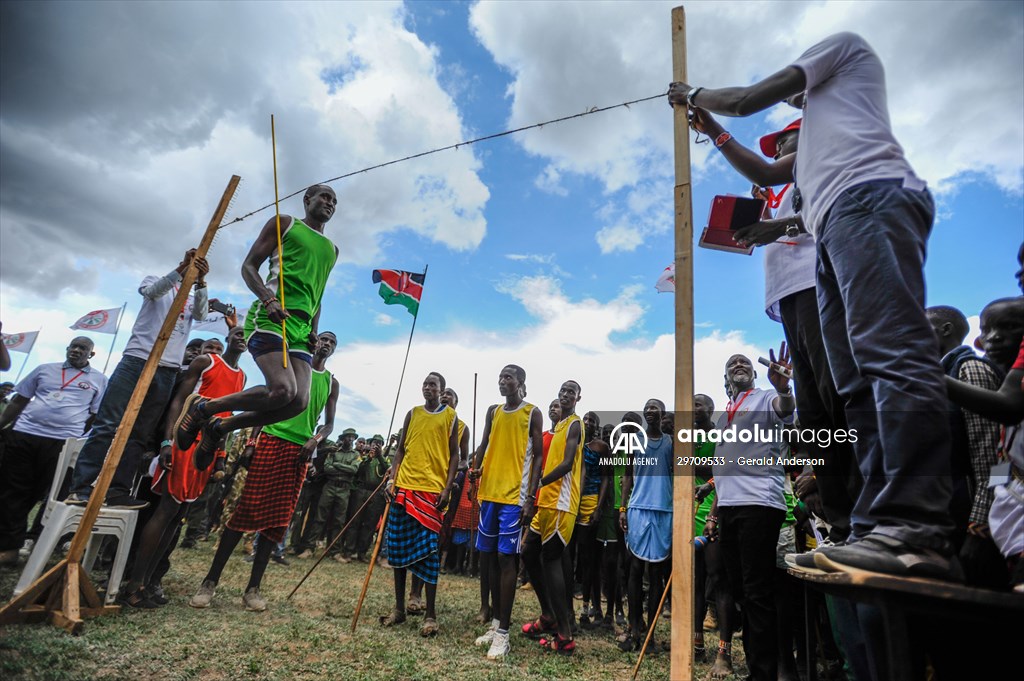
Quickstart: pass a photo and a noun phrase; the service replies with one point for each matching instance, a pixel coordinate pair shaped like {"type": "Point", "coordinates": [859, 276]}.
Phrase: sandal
{"type": "Point", "coordinates": [559, 645]}
{"type": "Point", "coordinates": [416, 606]}
{"type": "Point", "coordinates": [429, 628]}
{"type": "Point", "coordinates": [539, 627]}
{"type": "Point", "coordinates": [396, 617]}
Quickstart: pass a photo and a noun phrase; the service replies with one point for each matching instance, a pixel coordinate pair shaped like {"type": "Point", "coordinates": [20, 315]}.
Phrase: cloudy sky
{"type": "Point", "coordinates": [122, 122]}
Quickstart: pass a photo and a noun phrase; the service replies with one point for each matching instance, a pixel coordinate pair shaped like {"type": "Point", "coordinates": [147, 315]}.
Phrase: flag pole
{"type": "Point", "coordinates": [120, 315]}
{"type": "Point", "coordinates": [18, 377]}
{"type": "Point", "coordinates": [474, 415]}
{"type": "Point", "coordinates": [408, 347]}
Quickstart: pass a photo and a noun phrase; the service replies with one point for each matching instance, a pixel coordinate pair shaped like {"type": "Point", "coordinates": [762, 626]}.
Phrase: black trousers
{"type": "Point", "coordinates": [25, 474]}
{"type": "Point", "coordinates": [749, 537]}
{"type": "Point", "coordinates": [819, 405]}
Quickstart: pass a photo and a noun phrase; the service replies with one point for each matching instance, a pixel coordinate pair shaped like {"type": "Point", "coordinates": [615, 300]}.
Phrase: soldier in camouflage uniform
{"type": "Point", "coordinates": [372, 469]}
{"type": "Point", "coordinates": [339, 466]}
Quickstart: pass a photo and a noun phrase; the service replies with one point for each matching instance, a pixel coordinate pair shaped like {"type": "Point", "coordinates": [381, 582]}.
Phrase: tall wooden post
{"type": "Point", "coordinates": [56, 595]}
{"type": "Point", "coordinates": [682, 491]}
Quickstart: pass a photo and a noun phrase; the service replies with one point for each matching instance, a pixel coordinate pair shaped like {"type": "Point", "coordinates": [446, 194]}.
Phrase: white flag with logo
{"type": "Point", "coordinates": [98, 321]}
{"type": "Point", "coordinates": [20, 342]}
{"type": "Point", "coordinates": [667, 281]}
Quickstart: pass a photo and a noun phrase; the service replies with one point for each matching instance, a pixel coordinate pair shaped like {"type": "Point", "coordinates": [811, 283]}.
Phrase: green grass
{"type": "Point", "coordinates": [305, 638]}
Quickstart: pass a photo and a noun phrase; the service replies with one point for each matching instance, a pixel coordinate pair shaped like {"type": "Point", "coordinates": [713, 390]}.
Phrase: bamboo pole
{"type": "Point", "coordinates": [650, 630]}
{"type": "Point", "coordinates": [369, 570]}
{"type": "Point", "coordinates": [67, 574]}
{"type": "Point", "coordinates": [682, 491]}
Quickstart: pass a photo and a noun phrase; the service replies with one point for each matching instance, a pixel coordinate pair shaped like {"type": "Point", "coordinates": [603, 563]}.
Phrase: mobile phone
{"type": "Point", "coordinates": [224, 308]}
{"type": "Point", "coordinates": [777, 367]}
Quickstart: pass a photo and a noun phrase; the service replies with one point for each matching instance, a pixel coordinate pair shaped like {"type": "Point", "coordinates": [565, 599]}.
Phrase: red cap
{"type": "Point", "coordinates": [768, 141]}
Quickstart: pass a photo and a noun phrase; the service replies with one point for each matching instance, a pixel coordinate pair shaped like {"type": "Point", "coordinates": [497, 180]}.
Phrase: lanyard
{"type": "Point", "coordinates": [730, 409]}
{"type": "Point", "coordinates": [775, 199]}
{"type": "Point", "coordinates": [64, 383]}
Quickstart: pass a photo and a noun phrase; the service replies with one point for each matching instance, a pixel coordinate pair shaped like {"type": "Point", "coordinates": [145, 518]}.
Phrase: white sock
{"type": "Point", "coordinates": [495, 624]}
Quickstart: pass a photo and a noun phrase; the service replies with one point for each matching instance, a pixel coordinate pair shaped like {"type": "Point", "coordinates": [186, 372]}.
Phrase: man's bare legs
{"type": "Point", "coordinates": [285, 395]}
{"type": "Point", "coordinates": [156, 536]}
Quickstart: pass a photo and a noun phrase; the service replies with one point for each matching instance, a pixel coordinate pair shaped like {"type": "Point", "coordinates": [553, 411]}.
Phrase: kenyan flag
{"type": "Point", "coordinates": [398, 287]}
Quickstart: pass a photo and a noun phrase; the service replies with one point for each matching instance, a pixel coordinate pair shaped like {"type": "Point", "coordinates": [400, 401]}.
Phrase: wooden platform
{"type": "Point", "coordinates": [963, 632]}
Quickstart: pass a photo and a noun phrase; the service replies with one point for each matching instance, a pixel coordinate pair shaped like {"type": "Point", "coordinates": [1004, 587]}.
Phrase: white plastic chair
{"type": "Point", "coordinates": [60, 519]}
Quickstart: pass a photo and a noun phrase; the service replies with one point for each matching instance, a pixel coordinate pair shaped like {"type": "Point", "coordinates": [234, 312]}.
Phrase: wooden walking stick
{"type": "Point", "coordinates": [650, 631]}
{"type": "Point", "coordinates": [373, 561]}
{"type": "Point", "coordinates": [681, 656]}
{"type": "Point", "coordinates": [58, 594]}
{"type": "Point", "coordinates": [280, 251]}
{"type": "Point", "coordinates": [331, 545]}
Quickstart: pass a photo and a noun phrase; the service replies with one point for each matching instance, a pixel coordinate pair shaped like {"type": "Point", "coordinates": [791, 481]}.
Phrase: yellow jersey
{"type": "Point", "coordinates": [505, 474]}
{"type": "Point", "coordinates": [425, 464]}
{"type": "Point", "coordinates": [563, 494]}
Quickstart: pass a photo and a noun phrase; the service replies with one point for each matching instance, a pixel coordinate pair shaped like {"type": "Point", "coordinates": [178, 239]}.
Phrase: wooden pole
{"type": "Point", "coordinates": [369, 570]}
{"type": "Point", "coordinates": [650, 631]}
{"type": "Point", "coordinates": [682, 491]}
{"type": "Point", "coordinates": [67, 575]}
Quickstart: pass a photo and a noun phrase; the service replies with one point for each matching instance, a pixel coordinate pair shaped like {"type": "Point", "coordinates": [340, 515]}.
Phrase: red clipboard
{"type": "Point", "coordinates": [729, 213]}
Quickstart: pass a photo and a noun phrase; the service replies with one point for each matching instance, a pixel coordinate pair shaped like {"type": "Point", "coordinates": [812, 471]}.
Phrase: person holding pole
{"type": "Point", "coordinates": [54, 402]}
{"type": "Point", "coordinates": [855, 189]}
{"type": "Point", "coordinates": [507, 463]}
{"type": "Point", "coordinates": [279, 456]}
{"type": "Point", "coordinates": [157, 296]}
{"type": "Point", "coordinates": [300, 269]}
{"type": "Point", "coordinates": [420, 485]}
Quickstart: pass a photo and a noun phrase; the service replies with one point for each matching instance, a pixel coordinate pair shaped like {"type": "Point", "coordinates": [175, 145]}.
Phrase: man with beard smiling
{"type": "Point", "coordinates": [54, 402]}
{"type": "Point", "coordinates": [751, 506]}
{"type": "Point", "coordinates": [303, 265]}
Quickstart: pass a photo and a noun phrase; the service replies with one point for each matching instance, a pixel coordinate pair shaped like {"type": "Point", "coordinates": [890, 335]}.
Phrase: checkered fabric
{"type": "Point", "coordinates": [411, 544]}
{"type": "Point", "coordinates": [271, 490]}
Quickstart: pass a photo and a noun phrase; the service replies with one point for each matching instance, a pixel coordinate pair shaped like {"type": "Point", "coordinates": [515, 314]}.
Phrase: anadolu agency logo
{"type": "Point", "coordinates": [628, 438]}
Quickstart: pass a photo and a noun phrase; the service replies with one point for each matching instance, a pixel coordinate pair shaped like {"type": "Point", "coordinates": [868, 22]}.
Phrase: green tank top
{"type": "Point", "coordinates": [308, 257]}
{"type": "Point", "coordinates": [299, 429]}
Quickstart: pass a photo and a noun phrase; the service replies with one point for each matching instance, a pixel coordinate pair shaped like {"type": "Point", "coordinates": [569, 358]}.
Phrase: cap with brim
{"type": "Point", "coordinates": [349, 431]}
{"type": "Point", "coordinates": [768, 141]}
{"type": "Point", "coordinates": [377, 438]}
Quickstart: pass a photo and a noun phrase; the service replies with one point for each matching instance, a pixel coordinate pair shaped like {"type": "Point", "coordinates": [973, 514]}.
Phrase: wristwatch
{"type": "Point", "coordinates": [792, 230]}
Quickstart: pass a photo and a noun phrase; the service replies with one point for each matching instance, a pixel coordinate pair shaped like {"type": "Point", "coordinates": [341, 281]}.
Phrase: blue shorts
{"type": "Point", "coordinates": [262, 342]}
{"type": "Point", "coordinates": [499, 528]}
{"type": "Point", "coordinates": [649, 536]}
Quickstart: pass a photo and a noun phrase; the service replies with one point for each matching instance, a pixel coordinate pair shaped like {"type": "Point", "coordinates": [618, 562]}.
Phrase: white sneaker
{"type": "Point", "coordinates": [500, 647]}
{"type": "Point", "coordinates": [486, 638]}
{"type": "Point", "coordinates": [26, 549]}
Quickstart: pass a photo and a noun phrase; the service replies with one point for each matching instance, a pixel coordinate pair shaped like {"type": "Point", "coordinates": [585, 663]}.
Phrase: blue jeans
{"type": "Point", "coordinates": [108, 418]}
{"type": "Point", "coordinates": [885, 359]}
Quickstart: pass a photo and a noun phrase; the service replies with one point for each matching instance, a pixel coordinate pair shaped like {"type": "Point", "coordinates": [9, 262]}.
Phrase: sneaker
{"type": "Point", "coordinates": [487, 637]}
{"type": "Point", "coordinates": [137, 599]}
{"type": "Point", "coordinates": [77, 499]}
{"type": "Point", "coordinates": [157, 595]}
{"type": "Point", "coordinates": [253, 601]}
{"type": "Point", "coordinates": [26, 549]}
{"type": "Point", "coordinates": [279, 559]}
{"type": "Point", "coordinates": [126, 501]}
{"type": "Point", "coordinates": [500, 646]}
{"type": "Point", "coordinates": [881, 553]}
{"type": "Point", "coordinates": [308, 553]}
{"type": "Point", "coordinates": [338, 558]}
{"type": "Point", "coordinates": [801, 561]}
{"type": "Point", "coordinates": [206, 451]}
{"type": "Point", "coordinates": [205, 594]}
{"type": "Point", "coordinates": [190, 421]}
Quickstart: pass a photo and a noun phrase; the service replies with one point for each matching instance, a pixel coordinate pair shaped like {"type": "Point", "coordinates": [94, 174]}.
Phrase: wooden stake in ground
{"type": "Point", "coordinates": [369, 570]}
{"type": "Point", "coordinates": [682, 490]}
{"type": "Point", "coordinates": [57, 595]}
{"type": "Point", "coordinates": [654, 623]}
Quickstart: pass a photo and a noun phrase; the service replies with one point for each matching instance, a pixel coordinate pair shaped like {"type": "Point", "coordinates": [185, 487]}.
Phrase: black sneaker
{"type": "Point", "coordinates": [206, 450]}
{"type": "Point", "coordinates": [279, 559]}
{"type": "Point", "coordinates": [881, 553]}
{"type": "Point", "coordinates": [157, 595]}
{"type": "Point", "coordinates": [190, 421]}
{"type": "Point", "coordinates": [125, 501]}
{"type": "Point", "coordinates": [137, 599]}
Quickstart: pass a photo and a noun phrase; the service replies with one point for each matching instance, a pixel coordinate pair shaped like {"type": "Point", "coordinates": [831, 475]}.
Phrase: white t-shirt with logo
{"type": "Point", "coordinates": [62, 399]}
{"type": "Point", "coordinates": [157, 295]}
{"type": "Point", "coordinates": [846, 138]}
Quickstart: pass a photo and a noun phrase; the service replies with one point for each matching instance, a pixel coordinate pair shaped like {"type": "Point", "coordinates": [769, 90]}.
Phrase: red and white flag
{"type": "Point", "coordinates": [667, 281]}
{"type": "Point", "coordinates": [98, 321]}
{"type": "Point", "coordinates": [19, 342]}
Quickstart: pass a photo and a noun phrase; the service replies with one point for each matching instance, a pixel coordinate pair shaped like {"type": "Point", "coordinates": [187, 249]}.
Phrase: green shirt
{"type": "Point", "coordinates": [341, 465]}
{"type": "Point", "coordinates": [372, 471]}
{"type": "Point", "coordinates": [700, 516]}
{"type": "Point", "coordinates": [298, 429]}
{"type": "Point", "coordinates": [308, 257]}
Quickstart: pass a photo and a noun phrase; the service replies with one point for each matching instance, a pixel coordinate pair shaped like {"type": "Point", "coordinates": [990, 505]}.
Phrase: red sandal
{"type": "Point", "coordinates": [539, 627]}
{"type": "Point", "coordinates": [559, 645]}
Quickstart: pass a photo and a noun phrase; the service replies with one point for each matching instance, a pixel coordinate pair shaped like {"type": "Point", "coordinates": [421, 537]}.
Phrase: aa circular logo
{"type": "Point", "coordinates": [628, 438]}
{"type": "Point", "coordinates": [94, 319]}
{"type": "Point", "coordinates": [14, 341]}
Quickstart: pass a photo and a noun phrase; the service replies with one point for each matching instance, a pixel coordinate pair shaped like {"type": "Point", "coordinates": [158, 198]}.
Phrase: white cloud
{"type": "Point", "coordinates": [381, 319]}
{"type": "Point", "coordinates": [550, 181]}
{"type": "Point", "coordinates": [531, 257]}
{"type": "Point", "coordinates": [569, 56]}
{"type": "Point", "coordinates": [116, 162]}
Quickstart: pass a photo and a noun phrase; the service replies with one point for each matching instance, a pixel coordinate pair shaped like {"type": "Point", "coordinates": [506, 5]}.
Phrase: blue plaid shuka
{"type": "Point", "coordinates": [411, 545]}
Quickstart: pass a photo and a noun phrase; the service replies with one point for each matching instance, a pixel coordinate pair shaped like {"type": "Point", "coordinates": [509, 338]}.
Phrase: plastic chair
{"type": "Point", "coordinates": [60, 519]}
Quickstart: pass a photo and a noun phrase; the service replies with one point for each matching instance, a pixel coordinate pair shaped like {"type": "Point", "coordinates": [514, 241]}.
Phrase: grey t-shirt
{"type": "Point", "coordinates": [846, 138]}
